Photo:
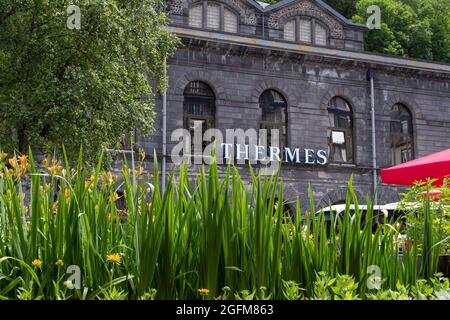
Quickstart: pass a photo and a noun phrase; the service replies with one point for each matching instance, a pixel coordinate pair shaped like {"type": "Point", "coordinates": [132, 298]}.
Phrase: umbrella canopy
{"type": "Point", "coordinates": [434, 166]}
{"type": "Point", "coordinates": [434, 194]}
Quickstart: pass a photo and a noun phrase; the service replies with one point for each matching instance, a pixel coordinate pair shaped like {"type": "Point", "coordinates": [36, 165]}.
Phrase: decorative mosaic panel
{"type": "Point", "coordinates": [306, 8]}
{"type": "Point", "coordinates": [176, 7]}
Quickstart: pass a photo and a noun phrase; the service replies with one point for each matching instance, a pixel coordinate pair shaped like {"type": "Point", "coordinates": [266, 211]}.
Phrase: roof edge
{"type": "Point", "coordinates": [255, 4]}
{"type": "Point", "coordinates": [363, 56]}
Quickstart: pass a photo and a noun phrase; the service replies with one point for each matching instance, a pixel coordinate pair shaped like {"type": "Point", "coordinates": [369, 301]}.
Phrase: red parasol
{"type": "Point", "coordinates": [434, 194]}
{"type": "Point", "coordinates": [434, 166]}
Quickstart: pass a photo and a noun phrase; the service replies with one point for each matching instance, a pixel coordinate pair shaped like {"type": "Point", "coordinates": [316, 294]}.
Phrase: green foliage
{"type": "Point", "coordinates": [435, 217]}
{"type": "Point", "coordinates": [79, 87]}
{"type": "Point", "coordinates": [410, 28]}
{"type": "Point", "coordinates": [343, 287]}
{"type": "Point", "coordinates": [345, 7]}
{"type": "Point", "coordinates": [292, 291]}
{"type": "Point", "coordinates": [207, 237]}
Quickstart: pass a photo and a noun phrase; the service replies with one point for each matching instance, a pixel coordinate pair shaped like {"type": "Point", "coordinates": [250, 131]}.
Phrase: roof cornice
{"type": "Point", "coordinates": [366, 57]}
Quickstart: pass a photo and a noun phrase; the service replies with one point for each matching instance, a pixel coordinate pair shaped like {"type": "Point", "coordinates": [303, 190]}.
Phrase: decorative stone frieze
{"type": "Point", "coordinates": [307, 8]}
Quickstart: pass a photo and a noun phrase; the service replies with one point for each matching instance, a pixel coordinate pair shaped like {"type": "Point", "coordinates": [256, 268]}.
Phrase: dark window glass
{"type": "Point", "coordinates": [340, 131]}
{"type": "Point", "coordinates": [274, 116]}
{"type": "Point", "coordinates": [199, 109]}
{"type": "Point", "coordinates": [402, 139]}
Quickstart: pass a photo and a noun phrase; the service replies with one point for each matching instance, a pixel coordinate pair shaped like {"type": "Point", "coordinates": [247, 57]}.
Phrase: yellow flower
{"type": "Point", "coordinates": [67, 194]}
{"type": "Point", "coordinates": [37, 263]}
{"type": "Point", "coordinates": [45, 163]}
{"type": "Point", "coordinates": [23, 160]}
{"type": "Point", "coordinates": [12, 162]}
{"type": "Point", "coordinates": [53, 170]}
{"type": "Point", "coordinates": [114, 258]}
{"type": "Point", "coordinates": [89, 181]}
{"type": "Point", "coordinates": [203, 291]}
{"type": "Point", "coordinates": [139, 171]}
{"type": "Point", "coordinates": [2, 155]}
{"type": "Point", "coordinates": [59, 262]}
{"type": "Point", "coordinates": [109, 178]}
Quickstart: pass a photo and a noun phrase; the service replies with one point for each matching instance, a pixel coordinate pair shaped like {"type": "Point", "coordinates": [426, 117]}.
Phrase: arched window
{"type": "Point", "coordinates": [199, 108]}
{"type": "Point", "coordinates": [306, 29]}
{"type": "Point", "coordinates": [289, 31]}
{"type": "Point", "coordinates": [340, 131]}
{"type": "Point", "coordinates": [274, 116]}
{"type": "Point", "coordinates": [196, 16]}
{"type": "Point", "coordinates": [320, 35]}
{"type": "Point", "coordinates": [402, 139]}
{"type": "Point", "coordinates": [230, 21]}
{"type": "Point", "coordinates": [213, 16]}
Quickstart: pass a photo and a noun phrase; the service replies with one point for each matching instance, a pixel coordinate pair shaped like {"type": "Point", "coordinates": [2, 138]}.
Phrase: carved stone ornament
{"type": "Point", "coordinates": [306, 8]}
{"type": "Point", "coordinates": [247, 14]}
{"type": "Point", "coordinates": [176, 7]}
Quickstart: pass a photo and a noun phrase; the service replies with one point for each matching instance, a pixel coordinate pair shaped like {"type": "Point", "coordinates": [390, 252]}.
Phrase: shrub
{"type": "Point", "coordinates": [201, 238]}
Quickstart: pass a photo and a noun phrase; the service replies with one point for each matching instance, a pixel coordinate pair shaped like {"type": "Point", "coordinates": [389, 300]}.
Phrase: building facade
{"type": "Point", "coordinates": [299, 66]}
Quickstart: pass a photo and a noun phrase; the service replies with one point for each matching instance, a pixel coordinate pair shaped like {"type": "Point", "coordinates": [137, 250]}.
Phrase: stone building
{"type": "Point", "coordinates": [300, 66]}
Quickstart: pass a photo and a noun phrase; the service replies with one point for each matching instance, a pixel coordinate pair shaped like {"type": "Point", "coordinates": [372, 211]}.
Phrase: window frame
{"type": "Point", "coordinates": [396, 137]}
{"type": "Point", "coordinates": [348, 132]}
{"type": "Point", "coordinates": [297, 29]}
{"type": "Point", "coordinates": [222, 8]}
{"type": "Point", "coordinates": [263, 124]}
{"type": "Point", "coordinates": [222, 18]}
{"type": "Point", "coordinates": [313, 33]}
{"type": "Point", "coordinates": [313, 22]}
{"type": "Point", "coordinates": [202, 7]}
{"type": "Point", "coordinates": [206, 6]}
{"type": "Point", "coordinates": [210, 119]}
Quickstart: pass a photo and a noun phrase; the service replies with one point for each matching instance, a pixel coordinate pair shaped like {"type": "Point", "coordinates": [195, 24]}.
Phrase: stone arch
{"type": "Point", "coordinates": [345, 94]}
{"type": "Point", "coordinates": [339, 92]}
{"type": "Point", "coordinates": [213, 82]}
{"type": "Point", "coordinates": [413, 108]}
{"type": "Point", "coordinates": [335, 196]}
{"type": "Point", "coordinates": [275, 85]}
{"type": "Point", "coordinates": [405, 100]}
